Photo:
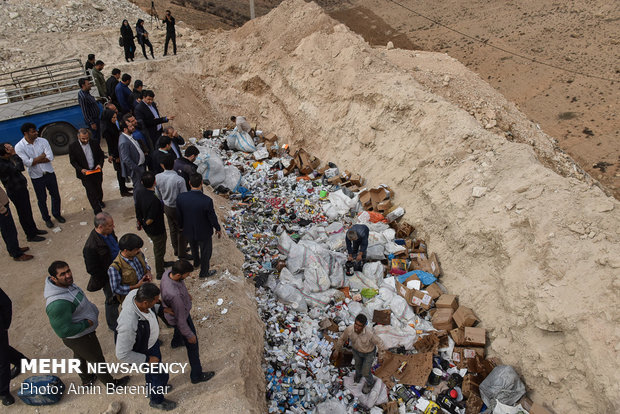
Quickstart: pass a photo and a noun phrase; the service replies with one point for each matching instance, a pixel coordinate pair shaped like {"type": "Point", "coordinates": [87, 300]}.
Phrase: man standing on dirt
{"type": "Point", "coordinates": [8, 354]}
{"type": "Point", "coordinates": [150, 216]}
{"type": "Point", "coordinates": [169, 186]}
{"type": "Point", "coordinates": [16, 185]}
{"type": "Point", "coordinates": [90, 107]}
{"type": "Point", "coordinates": [137, 341]}
{"type": "Point", "coordinates": [123, 94]}
{"type": "Point", "coordinates": [9, 232]}
{"type": "Point", "coordinates": [170, 33]}
{"type": "Point", "coordinates": [86, 156]}
{"type": "Point", "coordinates": [197, 220]}
{"type": "Point", "coordinates": [100, 249]}
{"type": "Point", "coordinates": [37, 156]}
{"type": "Point", "coordinates": [110, 85]}
{"type": "Point", "coordinates": [130, 152]}
{"type": "Point", "coordinates": [99, 79]}
{"type": "Point", "coordinates": [129, 269]}
{"type": "Point", "coordinates": [74, 319]}
{"type": "Point", "coordinates": [364, 344]}
{"type": "Point", "coordinates": [174, 296]}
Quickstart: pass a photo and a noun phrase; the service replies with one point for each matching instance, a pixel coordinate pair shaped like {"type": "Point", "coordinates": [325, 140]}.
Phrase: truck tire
{"type": "Point", "coordinates": [59, 136]}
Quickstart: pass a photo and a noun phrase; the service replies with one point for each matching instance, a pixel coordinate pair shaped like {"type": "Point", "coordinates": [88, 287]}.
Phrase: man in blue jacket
{"type": "Point", "coordinates": [123, 94]}
{"type": "Point", "coordinates": [197, 220]}
{"type": "Point", "coordinates": [357, 244]}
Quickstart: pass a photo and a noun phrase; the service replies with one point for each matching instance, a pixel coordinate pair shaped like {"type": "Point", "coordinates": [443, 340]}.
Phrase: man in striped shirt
{"type": "Point", "coordinates": [90, 107]}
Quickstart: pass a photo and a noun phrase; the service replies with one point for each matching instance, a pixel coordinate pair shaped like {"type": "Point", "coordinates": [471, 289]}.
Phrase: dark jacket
{"type": "Point", "coordinates": [11, 174]}
{"type": "Point", "coordinates": [148, 206]}
{"type": "Point", "coordinates": [170, 26]}
{"type": "Point", "coordinates": [185, 168]}
{"type": "Point", "coordinates": [78, 159]}
{"type": "Point", "coordinates": [141, 31]}
{"type": "Point", "coordinates": [6, 310]}
{"type": "Point", "coordinates": [97, 258]}
{"type": "Point", "coordinates": [110, 86]}
{"type": "Point", "coordinates": [158, 158]}
{"type": "Point", "coordinates": [123, 96]}
{"type": "Point", "coordinates": [175, 144]}
{"type": "Point", "coordinates": [196, 215]}
{"type": "Point", "coordinates": [110, 132]}
{"type": "Point", "coordinates": [142, 112]}
{"type": "Point", "coordinates": [135, 95]}
{"type": "Point", "coordinates": [127, 35]}
{"type": "Point", "coordinates": [361, 244]}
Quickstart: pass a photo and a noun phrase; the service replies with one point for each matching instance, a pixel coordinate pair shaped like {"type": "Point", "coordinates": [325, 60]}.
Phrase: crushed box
{"type": "Point", "coordinates": [434, 290]}
{"type": "Point", "coordinates": [464, 317]}
{"type": "Point", "coordinates": [382, 317]}
{"type": "Point", "coordinates": [442, 319]}
{"type": "Point", "coordinates": [468, 336]}
{"type": "Point", "coordinates": [413, 297]}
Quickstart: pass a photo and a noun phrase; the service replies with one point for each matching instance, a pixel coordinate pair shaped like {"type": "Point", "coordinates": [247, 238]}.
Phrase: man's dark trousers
{"type": "Point", "coordinates": [156, 380]}
{"type": "Point", "coordinates": [47, 182]}
{"type": "Point", "coordinates": [159, 251]}
{"type": "Point", "coordinates": [92, 183]}
{"type": "Point", "coordinates": [193, 353]}
{"type": "Point", "coordinates": [9, 233]}
{"type": "Point", "coordinates": [21, 201]}
{"type": "Point", "coordinates": [87, 349]}
{"type": "Point", "coordinates": [202, 249]}
{"type": "Point", "coordinates": [169, 37]}
{"type": "Point", "coordinates": [8, 356]}
{"type": "Point", "coordinates": [363, 365]}
{"type": "Point", "coordinates": [111, 306]}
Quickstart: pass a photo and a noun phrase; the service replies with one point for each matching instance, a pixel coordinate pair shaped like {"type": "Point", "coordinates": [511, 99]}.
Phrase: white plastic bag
{"type": "Point", "coordinates": [330, 407]}
{"type": "Point", "coordinates": [240, 141]}
{"type": "Point", "coordinates": [296, 280]}
{"type": "Point", "coordinates": [401, 309]}
{"type": "Point", "coordinates": [394, 337]}
{"type": "Point", "coordinates": [290, 295]}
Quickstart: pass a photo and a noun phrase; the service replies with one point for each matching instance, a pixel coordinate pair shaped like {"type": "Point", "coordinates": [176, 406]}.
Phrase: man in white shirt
{"type": "Point", "coordinates": [37, 156]}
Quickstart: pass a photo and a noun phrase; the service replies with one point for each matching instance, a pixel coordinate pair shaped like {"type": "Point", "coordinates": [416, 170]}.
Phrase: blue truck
{"type": "Point", "coordinates": [45, 95]}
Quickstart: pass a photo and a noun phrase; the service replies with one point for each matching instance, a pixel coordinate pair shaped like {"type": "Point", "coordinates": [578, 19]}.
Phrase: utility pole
{"type": "Point", "coordinates": [252, 15]}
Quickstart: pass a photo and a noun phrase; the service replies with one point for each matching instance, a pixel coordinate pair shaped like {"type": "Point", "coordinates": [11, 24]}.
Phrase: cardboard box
{"type": "Point", "coordinates": [464, 317]}
{"type": "Point", "coordinates": [357, 180]}
{"type": "Point", "coordinates": [365, 200]}
{"type": "Point", "coordinates": [382, 317]}
{"type": "Point", "coordinates": [329, 325]}
{"type": "Point", "coordinates": [403, 230]}
{"type": "Point", "coordinates": [442, 319]}
{"type": "Point", "coordinates": [447, 301]}
{"type": "Point", "coordinates": [390, 407]}
{"type": "Point", "coordinates": [428, 343]}
{"type": "Point", "coordinates": [434, 290]}
{"type": "Point", "coordinates": [334, 180]}
{"type": "Point", "coordinates": [270, 138]}
{"type": "Point", "coordinates": [345, 359]}
{"type": "Point", "coordinates": [379, 194]}
{"type": "Point", "coordinates": [430, 265]}
{"type": "Point", "coordinates": [470, 386]}
{"type": "Point", "coordinates": [413, 297]}
{"type": "Point", "coordinates": [474, 404]}
{"type": "Point", "coordinates": [416, 371]}
{"type": "Point", "coordinates": [469, 336]}
{"type": "Point", "coordinates": [384, 206]}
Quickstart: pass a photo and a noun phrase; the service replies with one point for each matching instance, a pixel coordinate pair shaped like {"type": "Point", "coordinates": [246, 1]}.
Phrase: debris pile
{"type": "Point", "coordinates": [290, 214]}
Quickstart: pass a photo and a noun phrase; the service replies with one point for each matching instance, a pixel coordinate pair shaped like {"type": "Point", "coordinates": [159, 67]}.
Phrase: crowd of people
{"type": "Point", "coordinates": [165, 188]}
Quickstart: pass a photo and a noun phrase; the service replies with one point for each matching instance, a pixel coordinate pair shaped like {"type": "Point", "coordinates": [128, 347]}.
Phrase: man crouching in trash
{"type": "Point", "coordinates": [357, 245]}
{"type": "Point", "coordinates": [138, 341]}
{"type": "Point", "coordinates": [365, 345]}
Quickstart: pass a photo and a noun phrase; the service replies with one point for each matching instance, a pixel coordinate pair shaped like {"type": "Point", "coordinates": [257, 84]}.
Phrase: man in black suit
{"type": "Point", "coordinates": [87, 158]}
{"type": "Point", "coordinates": [146, 111]}
{"type": "Point", "coordinates": [8, 354]}
{"type": "Point", "coordinates": [197, 220]}
{"type": "Point", "coordinates": [176, 141]}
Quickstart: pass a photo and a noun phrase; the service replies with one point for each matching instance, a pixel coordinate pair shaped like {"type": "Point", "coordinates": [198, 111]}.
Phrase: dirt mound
{"type": "Point", "coordinates": [536, 255]}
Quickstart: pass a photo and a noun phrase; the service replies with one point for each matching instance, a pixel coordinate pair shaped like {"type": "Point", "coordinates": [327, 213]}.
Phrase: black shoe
{"type": "Point", "coordinates": [101, 204]}
{"type": "Point", "coordinates": [49, 224]}
{"type": "Point", "coordinates": [126, 194]}
{"type": "Point", "coordinates": [165, 405]}
{"type": "Point", "coordinates": [168, 264]}
{"type": "Point", "coordinates": [121, 382]}
{"type": "Point", "coordinates": [90, 381]}
{"type": "Point", "coordinates": [8, 400]}
{"type": "Point", "coordinates": [60, 219]}
{"type": "Point", "coordinates": [15, 371]}
{"type": "Point", "coordinates": [196, 265]}
{"type": "Point", "coordinates": [36, 238]}
{"type": "Point", "coordinates": [209, 274]}
{"type": "Point", "coordinates": [204, 377]}
{"type": "Point", "coordinates": [175, 344]}
{"type": "Point", "coordinates": [41, 231]}
{"type": "Point", "coordinates": [186, 257]}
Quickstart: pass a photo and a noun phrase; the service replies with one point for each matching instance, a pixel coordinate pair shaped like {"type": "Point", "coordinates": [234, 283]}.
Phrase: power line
{"type": "Point", "coordinates": [485, 42]}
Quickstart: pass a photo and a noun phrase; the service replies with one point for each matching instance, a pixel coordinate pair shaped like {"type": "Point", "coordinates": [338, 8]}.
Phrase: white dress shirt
{"type": "Point", "coordinates": [28, 152]}
{"type": "Point", "coordinates": [88, 152]}
{"type": "Point", "coordinates": [155, 114]}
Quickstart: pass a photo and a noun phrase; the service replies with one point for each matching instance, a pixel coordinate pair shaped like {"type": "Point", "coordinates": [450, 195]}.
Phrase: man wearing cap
{"type": "Point", "coordinates": [364, 344]}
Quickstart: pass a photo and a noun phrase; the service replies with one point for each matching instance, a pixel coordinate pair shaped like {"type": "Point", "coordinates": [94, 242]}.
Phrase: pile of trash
{"type": "Point", "coordinates": [289, 217]}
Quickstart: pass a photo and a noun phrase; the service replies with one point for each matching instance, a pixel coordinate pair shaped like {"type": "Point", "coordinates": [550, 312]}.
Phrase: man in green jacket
{"type": "Point", "coordinates": [74, 319]}
{"type": "Point", "coordinates": [99, 79]}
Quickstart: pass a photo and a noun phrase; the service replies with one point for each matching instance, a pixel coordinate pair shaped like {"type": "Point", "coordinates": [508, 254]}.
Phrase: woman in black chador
{"type": "Point", "coordinates": [128, 43]}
